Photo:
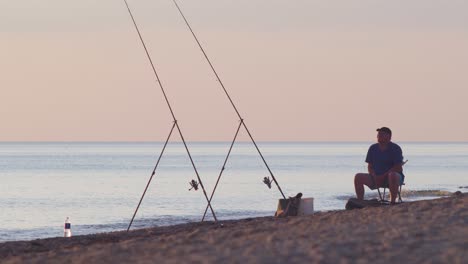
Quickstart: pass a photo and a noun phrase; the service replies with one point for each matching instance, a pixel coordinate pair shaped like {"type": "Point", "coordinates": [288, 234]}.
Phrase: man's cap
{"type": "Point", "coordinates": [385, 129]}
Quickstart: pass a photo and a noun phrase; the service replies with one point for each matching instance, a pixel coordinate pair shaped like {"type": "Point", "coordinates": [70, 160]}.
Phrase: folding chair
{"type": "Point", "coordinates": [382, 197]}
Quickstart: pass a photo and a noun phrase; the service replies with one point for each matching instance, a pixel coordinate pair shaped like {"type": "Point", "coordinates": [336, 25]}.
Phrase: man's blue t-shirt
{"type": "Point", "coordinates": [383, 161]}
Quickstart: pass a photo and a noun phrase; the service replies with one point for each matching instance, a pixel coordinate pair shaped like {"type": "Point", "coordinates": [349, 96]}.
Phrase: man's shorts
{"type": "Point", "coordinates": [402, 178]}
{"type": "Point", "coordinates": [382, 181]}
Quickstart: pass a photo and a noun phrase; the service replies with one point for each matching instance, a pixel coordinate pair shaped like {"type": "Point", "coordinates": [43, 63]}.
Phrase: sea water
{"type": "Point", "coordinates": [98, 185]}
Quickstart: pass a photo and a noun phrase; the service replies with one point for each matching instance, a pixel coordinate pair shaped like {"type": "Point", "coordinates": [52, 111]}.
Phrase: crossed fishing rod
{"type": "Point", "coordinates": [194, 184]}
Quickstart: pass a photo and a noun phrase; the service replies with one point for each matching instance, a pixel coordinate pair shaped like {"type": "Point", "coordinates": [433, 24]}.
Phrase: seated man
{"type": "Point", "coordinates": [385, 166]}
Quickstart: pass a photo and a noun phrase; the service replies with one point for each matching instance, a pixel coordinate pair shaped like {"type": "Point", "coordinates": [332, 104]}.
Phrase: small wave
{"type": "Point", "coordinates": [148, 222]}
{"type": "Point", "coordinates": [345, 197]}
{"type": "Point", "coordinates": [404, 193]}
{"type": "Point", "coordinates": [425, 193]}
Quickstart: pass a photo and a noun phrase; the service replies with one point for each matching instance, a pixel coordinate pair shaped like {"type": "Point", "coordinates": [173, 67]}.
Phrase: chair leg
{"type": "Point", "coordinates": [399, 194]}
{"type": "Point", "coordinates": [380, 195]}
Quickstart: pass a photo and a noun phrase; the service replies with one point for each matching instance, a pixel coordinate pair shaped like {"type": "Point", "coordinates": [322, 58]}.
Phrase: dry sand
{"type": "Point", "coordinates": [431, 231]}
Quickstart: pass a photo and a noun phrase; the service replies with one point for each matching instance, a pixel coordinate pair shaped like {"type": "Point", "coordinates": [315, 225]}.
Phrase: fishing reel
{"type": "Point", "coordinates": [194, 185]}
{"type": "Point", "coordinates": [267, 181]}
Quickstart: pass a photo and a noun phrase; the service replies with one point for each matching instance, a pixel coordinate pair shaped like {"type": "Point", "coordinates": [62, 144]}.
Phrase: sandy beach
{"type": "Point", "coordinates": [430, 231]}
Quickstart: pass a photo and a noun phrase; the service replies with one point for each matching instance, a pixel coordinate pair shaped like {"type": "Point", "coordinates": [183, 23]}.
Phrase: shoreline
{"type": "Point", "coordinates": [433, 231]}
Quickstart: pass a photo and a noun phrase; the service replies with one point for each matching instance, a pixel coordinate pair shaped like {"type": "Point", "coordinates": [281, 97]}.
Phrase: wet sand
{"type": "Point", "coordinates": [430, 231]}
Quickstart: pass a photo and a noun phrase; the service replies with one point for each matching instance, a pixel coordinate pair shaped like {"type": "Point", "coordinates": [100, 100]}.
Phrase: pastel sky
{"type": "Point", "coordinates": [299, 70]}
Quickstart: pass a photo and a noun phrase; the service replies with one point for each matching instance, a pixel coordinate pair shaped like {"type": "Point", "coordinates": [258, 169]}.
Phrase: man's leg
{"type": "Point", "coordinates": [360, 180]}
{"type": "Point", "coordinates": [394, 179]}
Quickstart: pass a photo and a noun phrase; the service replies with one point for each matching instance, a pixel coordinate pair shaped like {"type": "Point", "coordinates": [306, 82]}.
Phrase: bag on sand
{"type": "Point", "coordinates": [288, 207]}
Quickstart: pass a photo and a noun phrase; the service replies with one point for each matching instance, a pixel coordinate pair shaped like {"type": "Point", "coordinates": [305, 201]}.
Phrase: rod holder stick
{"type": "Point", "coordinates": [152, 174]}
{"type": "Point", "coordinates": [222, 168]}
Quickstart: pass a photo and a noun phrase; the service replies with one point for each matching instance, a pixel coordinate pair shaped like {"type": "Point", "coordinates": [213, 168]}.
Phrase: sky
{"type": "Point", "coordinates": [301, 70]}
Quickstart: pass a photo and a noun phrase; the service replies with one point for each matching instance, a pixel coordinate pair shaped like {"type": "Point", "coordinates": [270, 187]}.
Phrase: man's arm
{"type": "Point", "coordinates": [370, 169]}
{"type": "Point", "coordinates": [397, 156]}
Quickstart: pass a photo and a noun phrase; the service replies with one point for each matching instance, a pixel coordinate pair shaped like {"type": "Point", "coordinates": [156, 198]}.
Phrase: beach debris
{"type": "Point", "coordinates": [354, 203]}
{"type": "Point", "coordinates": [267, 181]}
{"type": "Point", "coordinates": [67, 228]}
{"type": "Point", "coordinates": [194, 185]}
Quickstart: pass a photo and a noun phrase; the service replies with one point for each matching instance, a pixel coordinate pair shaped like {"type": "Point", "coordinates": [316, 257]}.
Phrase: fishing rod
{"type": "Point", "coordinates": [228, 96]}
{"type": "Point", "coordinates": [176, 124]}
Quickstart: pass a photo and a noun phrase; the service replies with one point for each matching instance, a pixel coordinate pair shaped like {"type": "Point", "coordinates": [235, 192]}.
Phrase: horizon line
{"type": "Point", "coordinates": [225, 141]}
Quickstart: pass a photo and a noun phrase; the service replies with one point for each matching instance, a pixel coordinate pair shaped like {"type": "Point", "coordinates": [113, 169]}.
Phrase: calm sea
{"type": "Point", "coordinates": [98, 185]}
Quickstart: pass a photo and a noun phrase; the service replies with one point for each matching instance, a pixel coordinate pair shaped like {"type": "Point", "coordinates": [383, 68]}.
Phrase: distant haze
{"type": "Point", "coordinates": [300, 70]}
